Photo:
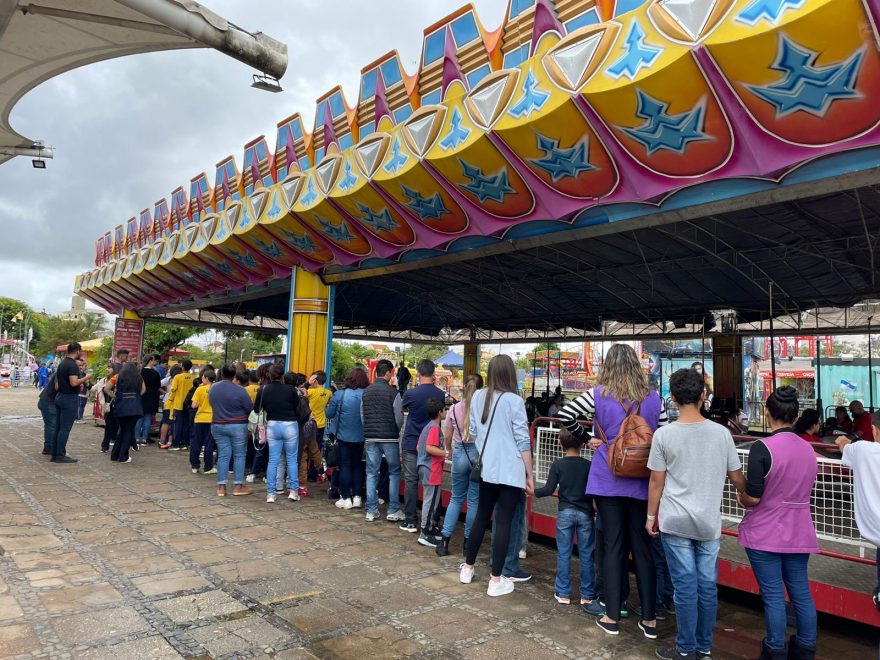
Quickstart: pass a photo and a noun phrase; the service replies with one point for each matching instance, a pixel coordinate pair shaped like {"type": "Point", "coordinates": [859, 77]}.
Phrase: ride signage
{"type": "Point", "coordinates": [129, 335]}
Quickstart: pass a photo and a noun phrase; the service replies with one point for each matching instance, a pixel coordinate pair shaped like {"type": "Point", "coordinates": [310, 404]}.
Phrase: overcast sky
{"type": "Point", "coordinates": [129, 131]}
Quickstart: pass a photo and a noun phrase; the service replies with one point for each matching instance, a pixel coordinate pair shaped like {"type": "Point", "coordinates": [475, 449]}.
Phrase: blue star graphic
{"type": "Point", "coordinates": [271, 250]}
{"type": "Point", "coordinates": [457, 133]}
{"type": "Point", "coordinates": [334, 233]}
{"type": "Point", "coordinates": [805, 86]}
{"type": "Point", "coordinates": [349, 179]}
{"type": "Point", "coordinates": [492, 187]}
{"type": "Point", "coordinates": [311, 195]}
{"type": "Point", "coordinates": [204, 272]}
{"type": "Point", "coordinates": [532, 98]}
{"type": "Point", "coordinates": [245, 218]}
{"type": "Point", "coordinates": [427, 208]}
{"type": "Point", "coordinates": [398, 158]}
{"type": "Point", "coordinates": [221, 232]}
{"type": "Point", "coordinates": [772, 10]}
{"type": "Point", "coordinates": [189, 277]}
{"type": "Point", "coordinates": [275, 211]}
{"type": "Point", "coordinates": [662, 131]}
{"type": "Point", "coordinates": [637, 54]}
{"type": "Point", "coordinates": [381, 221]}
{"type": "Point", "coordinates": [303, 243]}
{"type": "Point", "coordinates": [563, 163]}
{"type": "Point", "coordinates": [222, 266]}
{"type": "Point", "coordinates": [244, 258]}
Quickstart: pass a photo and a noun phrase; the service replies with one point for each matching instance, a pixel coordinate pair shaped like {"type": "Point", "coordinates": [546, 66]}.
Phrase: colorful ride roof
{"type": "Point", "coordinates": [572, 114]}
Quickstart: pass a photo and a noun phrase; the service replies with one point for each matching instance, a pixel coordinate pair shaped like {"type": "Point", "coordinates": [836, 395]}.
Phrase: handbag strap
{"type": "Point", "coordinates": [489, 428]}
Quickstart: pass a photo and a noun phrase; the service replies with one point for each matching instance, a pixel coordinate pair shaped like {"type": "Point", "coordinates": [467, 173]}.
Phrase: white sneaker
{"type": "Point", "coordinates": [357, 503]}
{"type": "Point", "coordinates": [522, 554]}
{"type": "Point", "coordinates": [503, 587]}
{"type": "Point", "coordinates": [249, 478]}
{"type": "Point", "coordinates": [370, 517]}
{"type": "Point", "coordinates": [343, 503]}
{"type": "Point", "coordinates": [293, 496]}
{"type": "Point", "coordinates": [381, 501]}
{"type": "Point", "coordinates": [195, 470]}
{"type": "Point", "coordinates": [128, 461]}
{"type": "Point", "coordinates": [397, 516]}
{"type": "Point", "coordinates": [270, 498]}
{"type": "Point", "coordinates": [465, 574]}
{"type": "Point", "coordinates": [214, 471]}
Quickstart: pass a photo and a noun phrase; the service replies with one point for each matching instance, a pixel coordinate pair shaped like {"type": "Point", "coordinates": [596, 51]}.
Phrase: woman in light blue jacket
{"type": "Point", "coordinates": [344, 410]}
{"type": "Point", "coordinates": [500, 429]}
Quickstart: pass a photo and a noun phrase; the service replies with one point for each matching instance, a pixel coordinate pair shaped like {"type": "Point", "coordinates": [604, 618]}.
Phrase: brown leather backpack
{"type": "Point", "coordinates": [628, 455]}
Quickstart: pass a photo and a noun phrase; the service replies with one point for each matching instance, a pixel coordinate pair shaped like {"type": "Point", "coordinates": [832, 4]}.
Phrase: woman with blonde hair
{"type": "Point", "coordinates": [500, 430]}
{"type": "Point", "coordinates": [464, 456]}
{"type": "Point", "coordinates": [622, 502]}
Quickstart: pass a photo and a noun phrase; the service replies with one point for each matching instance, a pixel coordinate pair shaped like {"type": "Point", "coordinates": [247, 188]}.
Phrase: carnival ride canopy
{"type": "Point", "coordinates": [587, 162]}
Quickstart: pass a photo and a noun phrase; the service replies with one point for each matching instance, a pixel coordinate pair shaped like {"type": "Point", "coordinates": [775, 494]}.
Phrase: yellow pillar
{"type": "Point", "coordinates": [128, 314]}
{"type": "Point", "coordinates": [310, 325]}
{"type": "Point", "coordinates": [471, 358]}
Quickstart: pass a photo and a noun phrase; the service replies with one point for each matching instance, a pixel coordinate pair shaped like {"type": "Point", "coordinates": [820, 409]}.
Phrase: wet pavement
{"type": "Point", "coordinates": [103, 560]}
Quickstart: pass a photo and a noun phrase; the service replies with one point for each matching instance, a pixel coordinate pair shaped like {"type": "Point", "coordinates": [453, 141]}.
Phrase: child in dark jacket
{"type": "Point", "coordinates": [575, 517]}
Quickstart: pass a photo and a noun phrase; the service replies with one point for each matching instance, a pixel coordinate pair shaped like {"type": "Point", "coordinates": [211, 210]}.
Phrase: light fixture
{"type": "Point", "coordinates": [266, 82]}
{"type": "Point", "coordinates": [39, 164]}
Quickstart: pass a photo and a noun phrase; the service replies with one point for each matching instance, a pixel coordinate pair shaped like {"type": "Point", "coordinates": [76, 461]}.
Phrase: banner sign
{"type": "Point", "coordinates": [129, 335]}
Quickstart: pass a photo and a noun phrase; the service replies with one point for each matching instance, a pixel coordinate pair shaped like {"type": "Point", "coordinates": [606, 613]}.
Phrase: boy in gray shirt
{"type": "Point", "coordinates": [689, 462]}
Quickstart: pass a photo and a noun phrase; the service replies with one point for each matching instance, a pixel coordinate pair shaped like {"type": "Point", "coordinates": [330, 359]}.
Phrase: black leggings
{"type": "Point", "coordinates": [125, 439]}
{"type": "Point", "coordinates": [506, 497]}
{"type": "Point", "coordinates": [623, 525]}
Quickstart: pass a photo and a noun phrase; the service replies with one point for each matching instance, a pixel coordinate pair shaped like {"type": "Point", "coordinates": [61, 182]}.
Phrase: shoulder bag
{"type": "Point", "coordinates": [332, 457]}
{"type": "Point", "coordinates": [628, 455]}
{"type": "Point", "coordinates": [477, 468]}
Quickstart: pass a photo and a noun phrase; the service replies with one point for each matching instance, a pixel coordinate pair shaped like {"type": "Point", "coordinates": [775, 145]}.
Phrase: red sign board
{"type": "Point", "coordinates": [129, 335]}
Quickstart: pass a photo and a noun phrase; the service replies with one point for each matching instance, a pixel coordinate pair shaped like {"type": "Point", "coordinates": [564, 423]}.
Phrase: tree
{"type": "Point", "coordinates": [98, 360]}
{"type": "Point", "coordinates": [344, 357]}
{"type": "Point", "coordinates": [162, 337]}
{"type": "Point", "coordinates": [243, 345]}
{"type": "Point", "coordinates": [416, 352]}
{"type": "Point", "coordinates": [546, 346]}
{"type": "Point", "coordinates": [10, 308]}
{"type": "Point", "coordinates": [58, 331]}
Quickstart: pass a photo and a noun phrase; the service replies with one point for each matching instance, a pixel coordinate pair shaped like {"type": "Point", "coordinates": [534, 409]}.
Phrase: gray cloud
{"type": "Point", "coordinates": [127, 132]}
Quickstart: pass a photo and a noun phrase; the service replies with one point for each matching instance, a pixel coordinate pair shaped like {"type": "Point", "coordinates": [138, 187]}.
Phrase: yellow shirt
{"type": "Point", "coordinates": [202, 405]}
{"type": "Point", "coordinates": [319, 397]}
{"type": "Point", "coordinates": [252, 391]}
{"type": "Point", "coordinates": [180, 387]}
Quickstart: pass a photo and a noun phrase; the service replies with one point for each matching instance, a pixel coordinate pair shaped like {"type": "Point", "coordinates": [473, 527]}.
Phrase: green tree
{"type": "Point", "coordinates": [99, 359]}
{"type": "Point", "coordinates": [162, 337]}
{"type": "Point", "coordinates": [344, 357]}
{"type": "Point", "coordinates": [244, 345]}
{"type": "Point", "coordinates": [416, 352]}
{"type": "Point", "coordinates": [10, 308]}
{"type": "Point", "coordinates": [58, 331]}
{"type": "Point", "coordinates": [546, 346]}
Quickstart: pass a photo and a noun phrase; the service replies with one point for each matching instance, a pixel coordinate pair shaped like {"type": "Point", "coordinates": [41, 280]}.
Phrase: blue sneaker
{"type": "Point", "coordinates": [519, 576]}
{"type": "Point", "coordinates": [592, 607]}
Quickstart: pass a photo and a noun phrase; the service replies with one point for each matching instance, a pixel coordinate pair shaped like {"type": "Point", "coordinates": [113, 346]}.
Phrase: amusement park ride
{"type": "Point", "coordinates": [592, 168]}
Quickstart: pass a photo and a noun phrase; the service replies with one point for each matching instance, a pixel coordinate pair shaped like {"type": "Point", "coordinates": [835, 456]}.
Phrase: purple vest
{"type": "Point", "coordinates": [782, 522]}
{"type": "Point", "coordinates": [610, 414]}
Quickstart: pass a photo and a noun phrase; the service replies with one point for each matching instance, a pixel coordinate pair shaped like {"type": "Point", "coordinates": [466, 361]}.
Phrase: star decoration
{"type": "Point", "coordinates": [805, 86]}
{"type": "Point", "coordinates": [398, 158]}
{"type": "Point", "coordinates": [457, 133]}
{"type": "Point", "coordinates": [427, 208]}
{"type": "Point", "coordinates": [637, 54]}
{"type": "Point", "coordinates": [349, 179]}
{"type": "Point", "coordinates": [493, 187]}
{"type": "Point", "coordinates": [381, 221]}
{"type": "Point", "coordinates": [771, 10]}
{"type": "Point", "coordinates": [532, 98]}
{"type": "Point", "coordinates": [341, 233]}
{"type": "Point", "coordinates": [563, 163]}
{"type": "Point", "coordinates": [664, 132]}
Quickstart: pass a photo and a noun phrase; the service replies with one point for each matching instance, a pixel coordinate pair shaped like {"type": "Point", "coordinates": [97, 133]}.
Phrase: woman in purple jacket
{"type": "Point", "coordinates": [622, 501]}
{"type": "Point", "coordinates": [777, 530]}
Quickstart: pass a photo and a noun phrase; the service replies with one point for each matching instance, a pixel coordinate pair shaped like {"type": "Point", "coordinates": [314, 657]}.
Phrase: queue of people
{"type": "Point", "coordinates": [652, 490]}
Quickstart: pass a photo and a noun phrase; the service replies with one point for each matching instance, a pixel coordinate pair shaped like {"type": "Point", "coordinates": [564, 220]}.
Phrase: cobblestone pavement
{"type": "Point", "coordinates": [102, 560]}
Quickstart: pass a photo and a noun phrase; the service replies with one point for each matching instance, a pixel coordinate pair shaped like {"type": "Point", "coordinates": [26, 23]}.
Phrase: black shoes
{"type": "Point", "coordinates": [669, 653]}
{"type": "Point", "coordinates": [47, 452]}
{"type": "Point", "coordinates": [443, 547]}
{"type": "Point", "coordinates": [610, 627]}
{"type": "Point", "coordinates": [64, 459]}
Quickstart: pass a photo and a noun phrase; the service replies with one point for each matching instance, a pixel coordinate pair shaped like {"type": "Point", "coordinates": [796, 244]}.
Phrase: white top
{"type": "Point", "coordinates": [864, 459]}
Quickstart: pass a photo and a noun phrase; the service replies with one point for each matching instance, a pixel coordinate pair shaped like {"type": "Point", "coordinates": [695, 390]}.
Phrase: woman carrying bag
{"type": "Point", "coordinates": [498, 425]}
{"type": "Point", "coordinates": [280, 402]}
{"type": "Point", "coordinates": [345, 410]}
{"type": "Point", "coordinates": [128, 408]}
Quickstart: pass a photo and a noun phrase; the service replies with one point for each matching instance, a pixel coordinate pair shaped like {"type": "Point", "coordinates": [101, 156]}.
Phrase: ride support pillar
{"type": "Point", "coordinates": [310, 323]}
{"type": "Point", "coordinates": [727, 372]}
{"type": "Point", "coordinates": [471, 358]}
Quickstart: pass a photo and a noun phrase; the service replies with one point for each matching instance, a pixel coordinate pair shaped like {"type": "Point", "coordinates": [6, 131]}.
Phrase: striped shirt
{"type": "Point", "coordinates": [585, 406]}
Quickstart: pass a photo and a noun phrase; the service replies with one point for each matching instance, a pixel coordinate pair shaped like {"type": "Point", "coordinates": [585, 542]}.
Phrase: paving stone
{"type": "Point", "coordinates": [392, 597]}
{"type": "Point", "coordinates": [9, 608]}
{"type": "Point", "coordinates": [229, 637]}
{"type": "Point", "coordinates": [322, 614]}
{"type": "Point", "coordinates": [248, 570]}
{"type": "Point", "coordinates": [193, 541]}
{"type": "Point", "coordinates": [279, 590]}
{"type": "Point", "coordinates": [254, 532]}
{"type": "Point", "coordinates": [23, 543]}
{"type": "Point", "coordinates": [51, 559]}
{"type": "Point", "coordinates": [220, 555]}
{"type": "Point", "coordinates": [169, 528]}
{"type": "Point", "coordinates": [67, 574]}
{"type": "Point", "coordinates": [18, 640]}
{"type": "Point", "coordinates": [376, 642]}
{"type": "Point", "coordinates": [510, 646]}
{"type": "Point", "coordinates": [75, 598]}
{"type": "Point", "coordinates": [448, 625]}
{"type": "Point", "coordinates": [92, 626]}
{"type": "Point", "coordinates": [167, 583]}
{"type": "Point", "coordinates": [141, 566]}
{"type": "Point", "coordinates": [128, 549]}
{"type": "Point", "coordinates": [148, 648]}
{"type": "Point", "coordinates": [199, 606]}
{"type": "Point", "coordinates": [351, 576]}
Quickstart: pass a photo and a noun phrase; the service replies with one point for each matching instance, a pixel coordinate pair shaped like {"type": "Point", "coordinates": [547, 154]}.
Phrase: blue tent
{"type": "Point", "coordinates": [451, 359]}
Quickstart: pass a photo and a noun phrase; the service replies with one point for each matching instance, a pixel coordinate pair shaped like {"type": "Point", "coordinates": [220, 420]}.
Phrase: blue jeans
{"type": "Point", "coordinates": [773, 570]}
{"type": "Point", "coordinates": [511, 559]}
{"type": "Point", "coordinates": [142, 428]}
{"type": "Point", "coordinates": [464, 455]}
{"type": "Point", "coordinates": [693, 566]}
{"type": "Point", "coordinates": [81, 406]}
{"type": "Point", "coordinates": [571, 522]}
{"type": "Point", "coordinates": [665, 591]}
{"type": "Point", "coordinates": [282, 435]}
{"type": "Point", "coordinates": [66, 406]}
{"type": "Point", "coordinates": [231, 442]}
{"type": "Point", "coordinates": [50, 423]}
{"type": "Point", "coordinates": [350, 473]}
{"type": "Point", "coordinates": [375, 452]}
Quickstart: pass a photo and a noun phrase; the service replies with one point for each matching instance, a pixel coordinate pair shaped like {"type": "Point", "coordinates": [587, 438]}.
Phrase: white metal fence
{"type": "Point", "coordinates": [832, 499]}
